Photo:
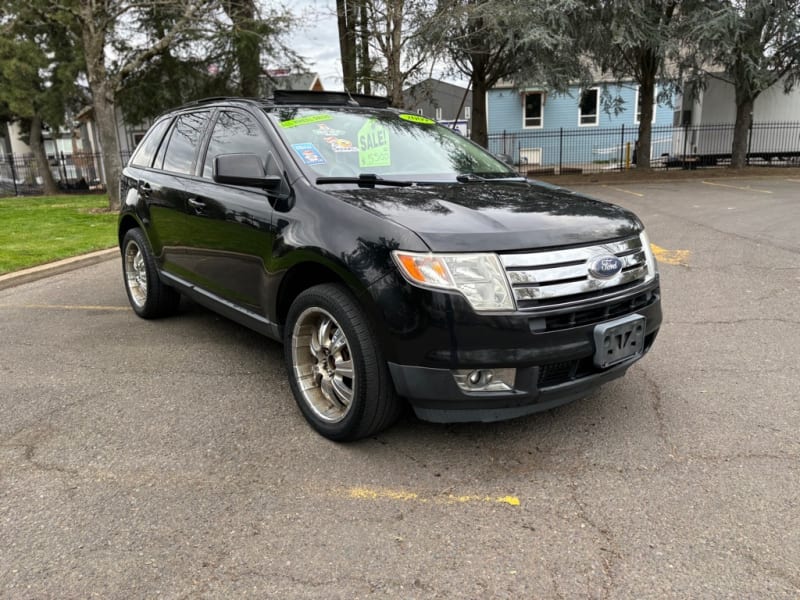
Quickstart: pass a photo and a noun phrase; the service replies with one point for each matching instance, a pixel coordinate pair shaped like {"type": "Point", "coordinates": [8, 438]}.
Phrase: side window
{"type": "Point", "coordinates": [143, 156]}
{"type": "Point", "coordinates": [183, 142]}
{"type": "Point", "coordinates": [588, 109]}
{"type": "Point", "coordinates": [235, 133]}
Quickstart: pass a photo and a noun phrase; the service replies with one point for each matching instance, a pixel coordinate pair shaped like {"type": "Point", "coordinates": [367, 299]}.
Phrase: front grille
{"type": "Point", "coordinates": [554, 276]}
{"type": "Point", "coordinates": [598, 314]}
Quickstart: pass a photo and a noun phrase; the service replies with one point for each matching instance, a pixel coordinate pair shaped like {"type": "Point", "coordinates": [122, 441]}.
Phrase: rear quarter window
{"type": "Point", "coordinates": [146, 150]}
{"type": "Point", "coordinates": [184, 141]}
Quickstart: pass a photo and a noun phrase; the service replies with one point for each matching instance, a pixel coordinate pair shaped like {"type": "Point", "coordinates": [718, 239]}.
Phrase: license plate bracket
{"type": "Point", "coordinates": [618, 340]}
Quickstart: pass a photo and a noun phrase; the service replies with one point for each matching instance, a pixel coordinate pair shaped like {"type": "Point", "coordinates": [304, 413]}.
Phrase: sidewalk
{"type": "Point", "coordinates": [54, 268]}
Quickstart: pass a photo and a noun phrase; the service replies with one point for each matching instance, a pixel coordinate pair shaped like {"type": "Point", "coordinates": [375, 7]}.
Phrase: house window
{"type": "Point", "coordinates": [639, 106]}
{"type": "Point", "coordinates": [438, 113]}
{"type": "Point", "coordinates": [589, 107]}
{"type": "Point", "coordinates": [467, 112]}
{"type": "Point", "coordinates": [533, 110]}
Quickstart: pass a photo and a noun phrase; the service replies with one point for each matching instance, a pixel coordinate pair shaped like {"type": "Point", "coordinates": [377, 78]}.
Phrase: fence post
{"type": "Point", "coordinates": [749, 142]}
{"type": "Point", "coordinates": [13, 173]}
{"type": "Point", "coordinates": [560, 149]}
{"type": "Point", "coordinates": [685, 141]}
{"type": "Point", "coordinates": [621, 147]}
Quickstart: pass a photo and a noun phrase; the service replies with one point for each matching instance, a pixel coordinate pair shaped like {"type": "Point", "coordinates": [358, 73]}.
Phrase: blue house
{"type": "Point", "coordinates": [537, 127]}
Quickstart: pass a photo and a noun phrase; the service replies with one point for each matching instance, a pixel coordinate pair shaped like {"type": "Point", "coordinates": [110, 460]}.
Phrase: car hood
{"type": "Point", "coordinates": [478, 217]}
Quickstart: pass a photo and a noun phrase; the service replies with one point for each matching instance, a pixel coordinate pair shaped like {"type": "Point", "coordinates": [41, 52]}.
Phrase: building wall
{"type": "Point", "coordinates": [428, 96]}
{"type": "Point", "coordinates": [561, 138]}
{"type": "Point", "coordinates": [717, 104]}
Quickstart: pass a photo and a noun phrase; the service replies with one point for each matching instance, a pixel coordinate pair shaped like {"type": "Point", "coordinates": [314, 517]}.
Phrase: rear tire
{"type": "Point", "coordinates": [150, 298]}
{"type": "Point", "coordinates": [336, 371]}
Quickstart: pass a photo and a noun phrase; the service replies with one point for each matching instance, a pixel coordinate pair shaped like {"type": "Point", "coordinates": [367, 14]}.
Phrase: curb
{"type": "Point", "coordinates": [16, 278]}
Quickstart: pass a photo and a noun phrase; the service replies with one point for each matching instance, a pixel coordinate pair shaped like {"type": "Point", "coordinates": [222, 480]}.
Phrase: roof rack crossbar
{"type": "Point", "coordinates": [329, 98]}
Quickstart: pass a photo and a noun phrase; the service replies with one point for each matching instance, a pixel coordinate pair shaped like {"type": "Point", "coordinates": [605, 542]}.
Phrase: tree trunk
{"type": "Point", "coordinates": [37, 146]}
{"type": "Point", "coordinates": [741, 130]}
{"type": "Point", "coordinates": [643, 143]}
{"type": "Point", "coordinates": [480, 134]}
{"type": "Point", "coordinates": [106, 127]}
{"type": "Point", "coordinates": [346, 18]}
{"type": "Point", "coordinates": [394, 38]}
{"type": "Point", "coordinates": [103, 96]}
{"type": "Point", "coordinates": [365, 64]}
{"type": "Point", "coordinates": [246, 45]}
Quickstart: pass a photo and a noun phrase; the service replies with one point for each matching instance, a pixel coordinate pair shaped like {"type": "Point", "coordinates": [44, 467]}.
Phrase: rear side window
{"type": "Point", "coordinates": [143, 156]}
{"type": "Point", "coordinates": [235, 133]}
{"type": "Point", "coordinates": [183, 142]}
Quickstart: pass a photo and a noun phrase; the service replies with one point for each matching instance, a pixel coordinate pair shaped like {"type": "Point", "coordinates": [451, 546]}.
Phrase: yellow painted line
{"type": "Point", "coordinates": [671, 257]}
{"type": "Point", "coordinates": [737, 187]}
{"type": "Point", "coordinates": [624, 191]}
{"type": "Point", "coordinates": [364, 493]}
{"type": "Point", "coordinates": [64, 307]}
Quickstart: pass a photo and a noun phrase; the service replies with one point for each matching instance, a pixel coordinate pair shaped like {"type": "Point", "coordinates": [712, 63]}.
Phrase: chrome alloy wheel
{"type": "Point", "coordinates": [136, 273]}
{"type": "Point", "coordinates": [323, 365]}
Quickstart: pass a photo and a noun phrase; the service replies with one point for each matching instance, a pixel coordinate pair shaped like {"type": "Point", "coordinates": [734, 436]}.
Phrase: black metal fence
{"type": "Point", "coordinates": [594, 150]}
{"type": "Point", "coordinates": [20, 174]}
{"type": "Point", "coordinates": [537, 151]}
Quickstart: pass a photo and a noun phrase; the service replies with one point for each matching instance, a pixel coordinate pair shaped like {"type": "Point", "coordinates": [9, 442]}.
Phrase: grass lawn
{"type": "Point", "coordinates": [42, 229]}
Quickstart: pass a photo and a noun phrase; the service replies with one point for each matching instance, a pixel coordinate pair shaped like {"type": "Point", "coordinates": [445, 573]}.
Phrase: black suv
{"type": "Point", "coordinates": [392, 257]}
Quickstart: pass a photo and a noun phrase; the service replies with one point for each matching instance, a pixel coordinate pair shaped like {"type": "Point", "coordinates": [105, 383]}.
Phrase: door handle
{"type": "Point", "coordinates": [196, 204]}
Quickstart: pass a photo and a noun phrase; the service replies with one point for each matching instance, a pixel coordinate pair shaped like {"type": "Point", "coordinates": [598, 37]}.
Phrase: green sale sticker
{"type": "Point", "coordinates": [373, 145]}
{"type": "Point", "coordinates": [418, 119]}
{"type": "Point", "coordinates": [305, 120]}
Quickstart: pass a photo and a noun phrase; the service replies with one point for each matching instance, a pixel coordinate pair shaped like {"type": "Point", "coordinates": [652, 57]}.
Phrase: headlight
{"type": "Point", "coordinates": [479, 277]}
{"type": "Point", "coordinates": [650, 259]}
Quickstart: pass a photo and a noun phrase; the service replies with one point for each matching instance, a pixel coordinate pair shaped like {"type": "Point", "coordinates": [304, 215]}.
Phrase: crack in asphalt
{"type": "Point", "coordinates": [606, 536]}
{"type": "Point", "coordinates": [663, 431]}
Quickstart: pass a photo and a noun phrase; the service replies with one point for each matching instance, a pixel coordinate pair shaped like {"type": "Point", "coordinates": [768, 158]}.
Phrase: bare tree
{"type": "Point", "coordinates": [397, 29]}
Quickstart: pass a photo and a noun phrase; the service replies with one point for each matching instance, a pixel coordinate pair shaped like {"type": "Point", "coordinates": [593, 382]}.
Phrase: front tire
{"type": "Point", "coordinates": [149, 297]}
{"type": "Point", "coordinates": [336, 370]}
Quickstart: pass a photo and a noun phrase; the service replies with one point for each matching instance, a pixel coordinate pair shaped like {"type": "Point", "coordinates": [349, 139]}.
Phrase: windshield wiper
{"type": "Point", "coordinates": [365, 180]}
{"type": "Point", "coordinates": [469, 178]}
{"type": "Point", "coordinates": [475, 178]}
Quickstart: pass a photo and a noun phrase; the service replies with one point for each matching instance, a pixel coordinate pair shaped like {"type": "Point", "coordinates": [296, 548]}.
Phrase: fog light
{"type": "Point", "coordinates": [485, 380]}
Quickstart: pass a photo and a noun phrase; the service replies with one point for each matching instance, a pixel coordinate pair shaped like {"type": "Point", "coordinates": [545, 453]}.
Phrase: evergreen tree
{"type": "Point", "coordinates": [757, 42]}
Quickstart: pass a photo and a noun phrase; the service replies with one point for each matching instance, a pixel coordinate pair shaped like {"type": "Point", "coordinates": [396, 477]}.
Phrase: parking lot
{"type": "Point", "coordinates": [144, 459]}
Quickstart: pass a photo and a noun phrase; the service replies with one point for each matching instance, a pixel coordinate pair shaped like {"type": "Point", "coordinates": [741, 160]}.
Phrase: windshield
{"type": "Point", "coordinates": [337, 142]}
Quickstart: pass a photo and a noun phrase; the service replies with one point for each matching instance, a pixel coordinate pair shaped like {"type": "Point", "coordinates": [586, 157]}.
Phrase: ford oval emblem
{"type": "Point", "coordinates": [605, 267]}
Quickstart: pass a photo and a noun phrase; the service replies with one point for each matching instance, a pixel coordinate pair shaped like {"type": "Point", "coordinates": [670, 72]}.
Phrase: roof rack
{"type": "Point", "coordinates": [329, 98]}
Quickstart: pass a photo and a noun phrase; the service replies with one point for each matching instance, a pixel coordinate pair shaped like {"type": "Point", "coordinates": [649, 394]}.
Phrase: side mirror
{"type": "Point", "coordinates": [243, 169]}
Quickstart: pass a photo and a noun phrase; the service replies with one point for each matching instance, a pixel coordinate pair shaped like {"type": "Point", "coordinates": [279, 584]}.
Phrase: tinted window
{"type": "Point", "coordinates": [143, 156]}
{"type": "Point", "coordinates": [235, 133]}
{"type": "Point", "coordinates": [183, 142]}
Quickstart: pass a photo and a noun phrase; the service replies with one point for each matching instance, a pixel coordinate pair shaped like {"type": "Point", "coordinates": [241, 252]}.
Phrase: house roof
{"type": "Point", "coordinates": [282, 80]}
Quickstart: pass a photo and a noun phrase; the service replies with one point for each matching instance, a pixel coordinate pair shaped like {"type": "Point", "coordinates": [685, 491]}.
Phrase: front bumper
{"type": "Point", "coordinates": [552, 353]}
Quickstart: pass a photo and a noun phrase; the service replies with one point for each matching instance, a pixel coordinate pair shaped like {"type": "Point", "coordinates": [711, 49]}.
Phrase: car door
{"type": "Point", "coordinates": [231, 226]}
{"type": "Point", "coordinates": [168, 188]}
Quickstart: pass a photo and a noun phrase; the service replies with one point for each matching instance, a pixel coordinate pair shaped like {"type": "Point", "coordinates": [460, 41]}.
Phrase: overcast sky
{"type": "Point", "coordinates": [317, 39]}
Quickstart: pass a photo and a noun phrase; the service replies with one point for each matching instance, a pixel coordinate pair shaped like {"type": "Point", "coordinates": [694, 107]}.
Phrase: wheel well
{"type": "Point", "coordinates": [126, 224]}
{"type": "Point", "coordinates": [298, 279]}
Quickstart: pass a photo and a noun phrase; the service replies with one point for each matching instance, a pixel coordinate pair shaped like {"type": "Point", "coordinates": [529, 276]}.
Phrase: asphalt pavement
{"type": "Point", "coordinates": [167, 459]}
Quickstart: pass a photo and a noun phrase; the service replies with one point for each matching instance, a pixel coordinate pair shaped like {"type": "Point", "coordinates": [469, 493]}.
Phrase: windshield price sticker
{"type": "Point", "coordinates": [305, 120]}
{"type": "Point", "coordinates": [373, 145]}
{"type": "Point", "coordinates": [418, 119]}
{"type": "Point", "coordinates": [309, 153]}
